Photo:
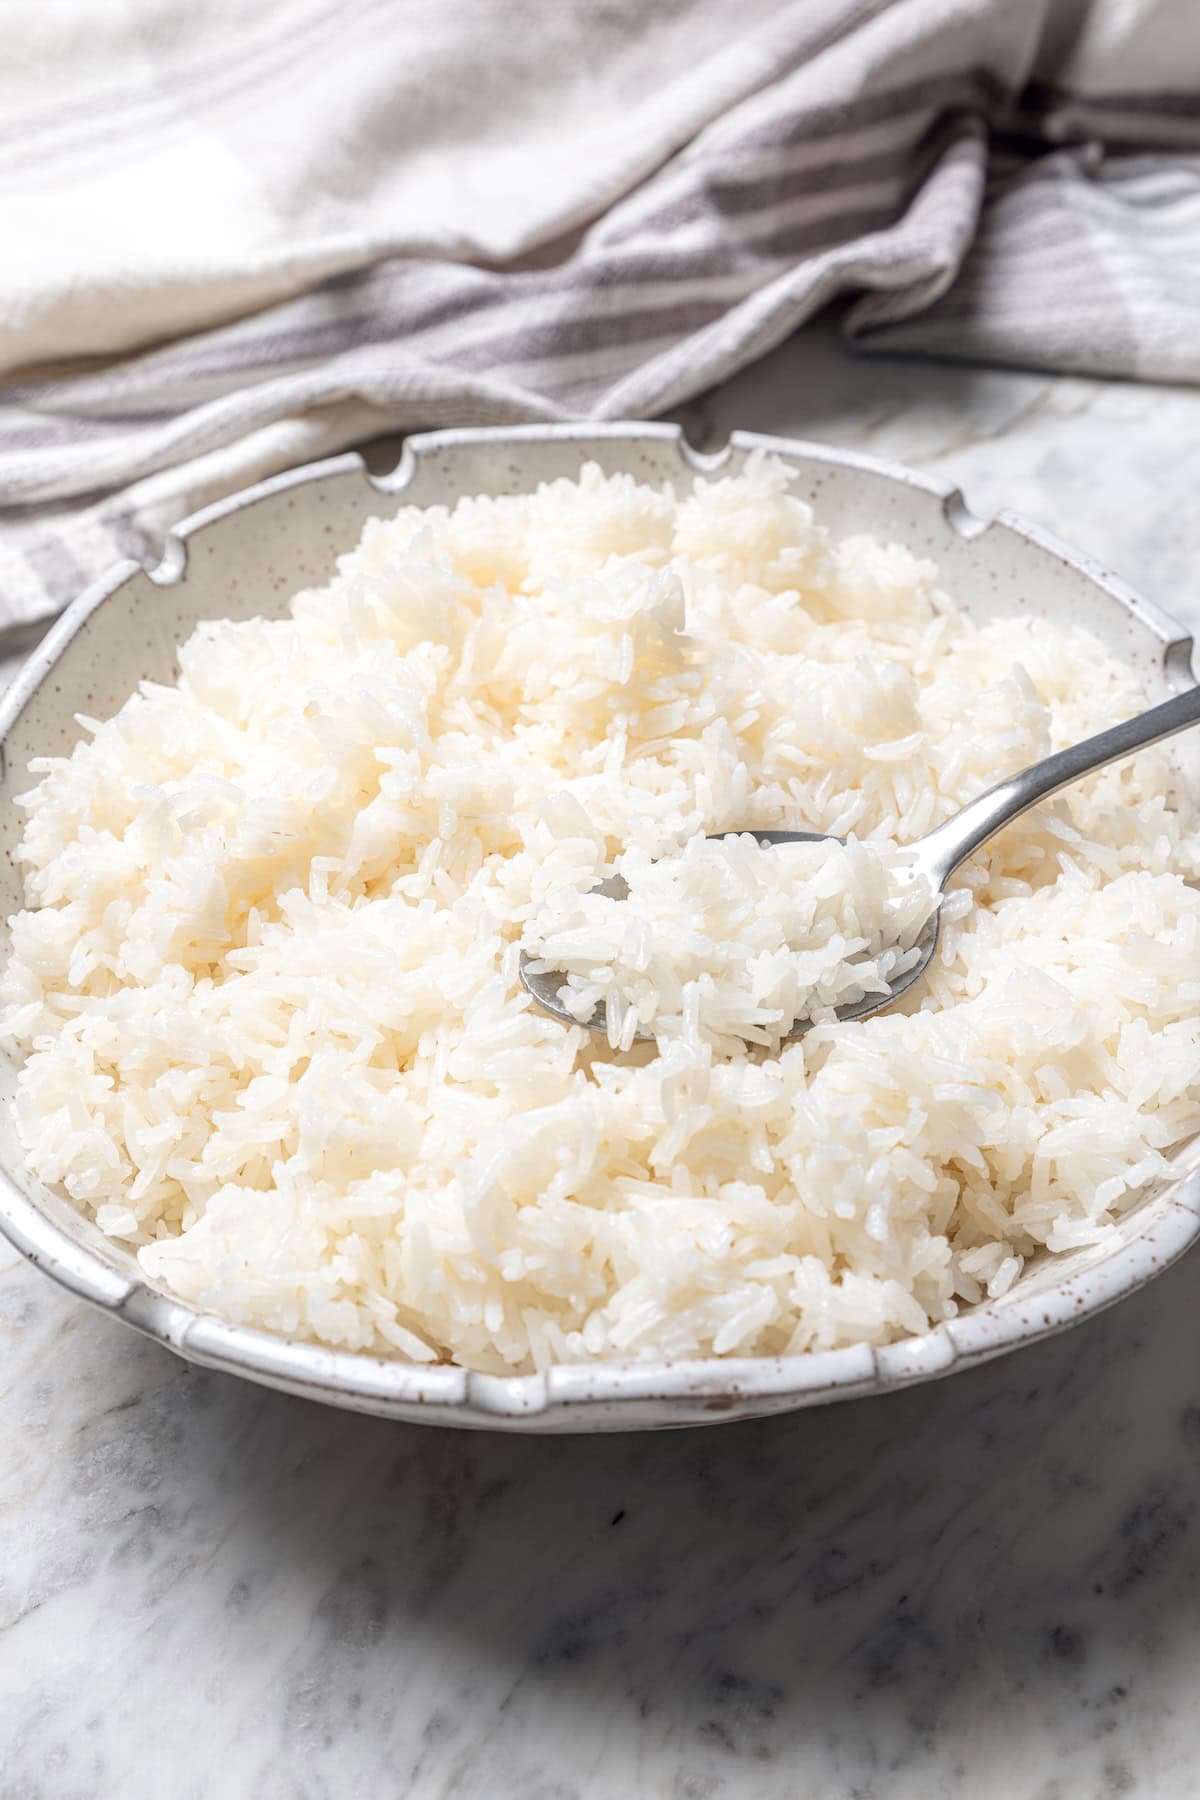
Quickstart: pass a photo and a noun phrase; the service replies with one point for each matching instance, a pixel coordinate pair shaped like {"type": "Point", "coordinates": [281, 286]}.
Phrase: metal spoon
{"type": "Point", "coordinates": [935, 856]}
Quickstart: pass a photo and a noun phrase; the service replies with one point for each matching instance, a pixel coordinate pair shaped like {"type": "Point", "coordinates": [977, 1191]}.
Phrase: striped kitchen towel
{"type": "Point", "coordinates": [237, 238]}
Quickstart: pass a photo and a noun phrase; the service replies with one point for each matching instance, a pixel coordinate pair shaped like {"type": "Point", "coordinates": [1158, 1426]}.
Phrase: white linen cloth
{"type": "Point", "coordinates": [236, 238]}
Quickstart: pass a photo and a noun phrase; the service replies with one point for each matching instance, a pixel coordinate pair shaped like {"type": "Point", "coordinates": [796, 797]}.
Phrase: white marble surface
{"type": "Point", "coordinates": [987, 1588]}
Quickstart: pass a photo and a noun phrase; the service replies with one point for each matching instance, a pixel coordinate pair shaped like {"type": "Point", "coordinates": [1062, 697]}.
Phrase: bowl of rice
{"type": "Point", "coordinates": [282, 813]}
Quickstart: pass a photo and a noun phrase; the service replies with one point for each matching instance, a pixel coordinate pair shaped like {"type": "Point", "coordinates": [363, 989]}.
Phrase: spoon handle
{"type": "Point", "coordinates": [943, 849]}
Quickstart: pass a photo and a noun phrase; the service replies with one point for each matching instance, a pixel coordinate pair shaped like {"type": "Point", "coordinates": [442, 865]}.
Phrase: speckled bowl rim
{"type": "Point", "coordinates": [602, 1395]}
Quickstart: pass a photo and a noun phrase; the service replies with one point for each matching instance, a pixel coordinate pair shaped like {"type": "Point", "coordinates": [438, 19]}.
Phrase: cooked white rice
{"type": "Point", "coordinates": [267, 985]}
{"type": "Point", "coordinates": [732, 942]}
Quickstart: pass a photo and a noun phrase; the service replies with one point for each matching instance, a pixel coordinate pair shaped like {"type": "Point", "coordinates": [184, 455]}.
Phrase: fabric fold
{"type": "Point", "coordinates": [245, 246]}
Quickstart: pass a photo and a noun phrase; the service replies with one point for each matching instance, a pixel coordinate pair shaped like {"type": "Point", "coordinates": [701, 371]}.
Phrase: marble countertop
{"type": "Point", "coordinates": [987, 1588]}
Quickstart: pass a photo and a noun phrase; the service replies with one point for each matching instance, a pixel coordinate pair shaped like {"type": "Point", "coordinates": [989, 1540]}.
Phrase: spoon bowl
{"type": "Point", "coordinates": [934, 857]}
{"type": "Point", "coordinates": [545, 985]}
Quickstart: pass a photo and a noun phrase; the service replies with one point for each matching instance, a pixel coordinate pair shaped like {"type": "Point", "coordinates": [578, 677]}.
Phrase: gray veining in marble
{"type": "Point", "coordinates": [986, 1588]}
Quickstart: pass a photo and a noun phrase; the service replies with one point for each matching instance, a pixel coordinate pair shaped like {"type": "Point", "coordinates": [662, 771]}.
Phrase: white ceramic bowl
{"type": "Point", "coordinates": [247, 556]}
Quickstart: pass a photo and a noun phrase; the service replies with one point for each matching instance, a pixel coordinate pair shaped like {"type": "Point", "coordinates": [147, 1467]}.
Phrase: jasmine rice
{"type": "Point", "coordinates": [266, 989]}
{"type": "Point", "coordinates": [733, 941]}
